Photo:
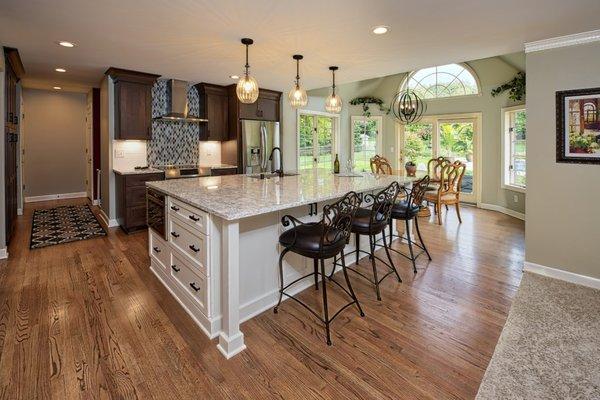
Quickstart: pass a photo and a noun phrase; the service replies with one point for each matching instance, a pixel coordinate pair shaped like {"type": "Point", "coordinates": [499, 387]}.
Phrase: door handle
{"type": "Point", "coordinates": [174, 208]}
{"type": "Point", "coordinates": [193, 286]}
{"type": "Point", "coordinates": [194, 218]}
{"type": "Point", "coordinates": [175, 234]}
{"type": "Point", "coordinates": [156, 249]}
{"type": "Point", "coordinates": [194, 248]}
{"type": "Point", "coordinates": [175, 268]}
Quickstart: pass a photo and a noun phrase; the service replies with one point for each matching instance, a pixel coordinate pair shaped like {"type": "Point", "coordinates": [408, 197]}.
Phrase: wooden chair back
{"type": "Point", "coordinates": [380, 165]}
{"type": "Point", "coordinates": [452, 176]}
{"type": "Point", "coordinates": [435, 167]}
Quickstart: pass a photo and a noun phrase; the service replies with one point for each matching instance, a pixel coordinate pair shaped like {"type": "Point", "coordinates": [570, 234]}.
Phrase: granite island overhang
{"type": "Point", "coordinates": [219, 256]}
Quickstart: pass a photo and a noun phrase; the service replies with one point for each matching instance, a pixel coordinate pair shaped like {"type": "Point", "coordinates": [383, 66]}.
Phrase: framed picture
{"type": "Point", "coordinates": [578, 126]}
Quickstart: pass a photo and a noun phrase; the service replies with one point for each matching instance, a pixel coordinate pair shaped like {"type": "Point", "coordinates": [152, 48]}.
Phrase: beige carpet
{"type": "Point", "coordinates": [550, 345]}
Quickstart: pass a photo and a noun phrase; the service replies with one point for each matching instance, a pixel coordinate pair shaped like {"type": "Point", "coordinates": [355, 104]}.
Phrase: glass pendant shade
{"type": "Point", "coordinates": [298, 97]}
{"type": "Point", "coordinates": [247, 89]}
{"type": "Point", "coordinates": [333, 103]}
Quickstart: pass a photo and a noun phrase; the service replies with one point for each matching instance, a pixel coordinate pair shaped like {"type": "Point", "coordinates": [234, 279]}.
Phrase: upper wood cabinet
{"type": "Point", "coordinates": [266, 108]}
{"type": "Point", "coordinates": [133, 103]}
{"type": "Point", "coordinates": [214, 106]}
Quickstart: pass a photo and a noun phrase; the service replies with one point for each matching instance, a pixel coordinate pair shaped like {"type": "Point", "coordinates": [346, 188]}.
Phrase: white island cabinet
{"type": "Point", "coordinates": [220, 257]}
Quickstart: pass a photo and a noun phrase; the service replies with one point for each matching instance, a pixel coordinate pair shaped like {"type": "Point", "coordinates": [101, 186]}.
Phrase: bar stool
{"type": "Point", "coordinates": [320, 241]}
{"type": "Point", "coordinates": [408, 210]}
{"type": "Point", "coordinates": [373, 221]}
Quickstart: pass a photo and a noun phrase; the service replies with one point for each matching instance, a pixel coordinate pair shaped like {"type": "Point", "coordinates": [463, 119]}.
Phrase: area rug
{"type": "Point", "coordinates": [550, 345]}
{"type": "Point", "coordinates": [62, 225]}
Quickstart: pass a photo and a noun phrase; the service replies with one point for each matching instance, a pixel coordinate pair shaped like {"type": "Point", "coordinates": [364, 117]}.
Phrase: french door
{"type": "Point", "coordinates": [316, 141]}
{"type": "Point", "coordinates": [455, 137]}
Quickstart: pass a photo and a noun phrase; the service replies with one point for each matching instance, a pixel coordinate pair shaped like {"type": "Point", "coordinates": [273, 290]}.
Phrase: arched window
{"type": "Point", "coordinates": [589, 112]}
{"type": "Point", "coordinates": [444, 81]}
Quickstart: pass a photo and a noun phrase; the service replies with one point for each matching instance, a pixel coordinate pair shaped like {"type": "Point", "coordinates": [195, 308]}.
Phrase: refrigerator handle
{"type": "Point", "coordinates": [263, 147]}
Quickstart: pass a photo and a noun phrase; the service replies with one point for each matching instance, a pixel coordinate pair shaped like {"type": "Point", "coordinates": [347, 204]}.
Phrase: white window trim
{"type": "Point", "coordinates": [336, 131]}
{"type": "Point", "coordinates": [462, 96]}
{"type": "Point", "coordinates": [379, 144]}
{"type": "Point", "coordinates": [504, 184]}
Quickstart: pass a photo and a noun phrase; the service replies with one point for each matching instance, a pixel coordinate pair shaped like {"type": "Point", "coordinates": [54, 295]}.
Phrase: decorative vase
{"type": "Point", "coordinates": [411, 169]}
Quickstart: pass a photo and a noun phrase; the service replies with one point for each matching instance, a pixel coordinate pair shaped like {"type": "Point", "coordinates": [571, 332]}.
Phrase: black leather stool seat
{"type": "Point", "coordinates": [362, 222]}
{"type": "Point", "coordinates": [305, 240]}
{"type": "Point", "coordinates": [404, 210]}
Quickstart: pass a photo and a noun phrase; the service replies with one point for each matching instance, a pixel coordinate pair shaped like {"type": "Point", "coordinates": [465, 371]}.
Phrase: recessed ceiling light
{"type": "Point", "coordinates": [66, 44]}
{"type": "Point", "coordinates": [234, 76]}
{"type": "Point", "coordinates": [56, 88]}
{"type": "Point", "coordinates": [381, 29]}
{"type": "Point", "coordinates": [60, 70]}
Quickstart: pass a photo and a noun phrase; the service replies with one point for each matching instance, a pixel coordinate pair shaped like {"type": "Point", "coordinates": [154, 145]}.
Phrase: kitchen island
{"type": "Point", "coordinates": [219, 250]}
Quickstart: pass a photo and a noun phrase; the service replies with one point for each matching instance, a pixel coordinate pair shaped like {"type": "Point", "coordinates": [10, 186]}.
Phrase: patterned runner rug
{"type": "Point", "coordinates": [62, 225]}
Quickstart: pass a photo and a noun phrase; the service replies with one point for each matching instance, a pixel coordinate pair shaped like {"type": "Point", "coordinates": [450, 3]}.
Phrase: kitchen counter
{"type": "Point", "coordinates": [131, 171]}
{"type": "Point", "coordinates": [239, 196]}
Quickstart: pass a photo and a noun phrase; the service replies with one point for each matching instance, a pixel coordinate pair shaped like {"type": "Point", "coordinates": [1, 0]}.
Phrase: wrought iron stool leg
{"type": "Point", "coordinates": [362, 314]}
{"type": "Point", "coordinates": [420, 238]}
{"type": "Point", "coordinates": [391, 232]}
{"type": "Point", "coordinates": [316, 262]}
{"type": "Point", "coordinates": [372, 248]}
{"type": "Point", "coordinates": [280, 279]}
{"type": "Point", "coordinates": [387, 251]}
{"type": "Point", "coordinates": [325, 309]}
{"type": "Point", "coordinates": [412, 254]}
{"type": "Point", "coordinates": [357, 237]}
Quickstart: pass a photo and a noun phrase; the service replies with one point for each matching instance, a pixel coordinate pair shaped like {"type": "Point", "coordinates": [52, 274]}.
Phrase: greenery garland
{"type": "Point", "coordinates": [516, 88]}
{"type": "Point", "coordinates": [365, 101]}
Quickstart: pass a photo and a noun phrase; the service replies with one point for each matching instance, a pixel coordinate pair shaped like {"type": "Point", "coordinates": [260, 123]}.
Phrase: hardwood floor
{"type": "Point", "coordinates": [89, 320]}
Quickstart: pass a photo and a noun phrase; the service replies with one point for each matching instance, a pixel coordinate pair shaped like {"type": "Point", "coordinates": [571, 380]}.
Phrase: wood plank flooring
{"type": "Point", "coordinates": [88, 320]}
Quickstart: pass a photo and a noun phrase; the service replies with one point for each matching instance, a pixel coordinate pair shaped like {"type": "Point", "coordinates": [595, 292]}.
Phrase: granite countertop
{"type": "Point", "coordinates": [131, 171]}
{"type": "Point", "coordinates": [233, 197]}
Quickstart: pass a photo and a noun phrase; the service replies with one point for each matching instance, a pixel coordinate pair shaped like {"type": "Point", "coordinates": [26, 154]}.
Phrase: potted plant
{"type": "Point", "coordinates": [411, 168]}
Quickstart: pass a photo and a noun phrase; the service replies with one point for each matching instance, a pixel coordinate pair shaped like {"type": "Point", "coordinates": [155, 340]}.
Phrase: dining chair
{"type": "Point", "coordinates": [434, 169]}
{"type": "Point", "coordinates": [448, 191]}
{"type": "Point", "coordinates": [380, 165]}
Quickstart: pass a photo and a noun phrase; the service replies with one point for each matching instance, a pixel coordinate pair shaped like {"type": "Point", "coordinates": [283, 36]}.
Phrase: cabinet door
{"type": "Point", "coordinates": [217, 117]}
{"type": "Point", "coordinates": [134, 110]}
{"type": "Point", "coordinates": [248, 111]}
{"type": "Point", "coordinates": [267, 109]}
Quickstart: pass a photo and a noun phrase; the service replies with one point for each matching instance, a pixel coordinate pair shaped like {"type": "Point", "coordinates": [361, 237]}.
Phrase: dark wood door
{"type": "Point", "coordinates": [214, 106]}
{"type": "Point", "coordinates": [10, 148]}
{"type": "Point", "coordinates": [134, 110]}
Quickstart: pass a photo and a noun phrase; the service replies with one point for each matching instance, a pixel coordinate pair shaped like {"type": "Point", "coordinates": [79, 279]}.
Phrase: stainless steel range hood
{"type": "Point", "coordinates": [177, 104]}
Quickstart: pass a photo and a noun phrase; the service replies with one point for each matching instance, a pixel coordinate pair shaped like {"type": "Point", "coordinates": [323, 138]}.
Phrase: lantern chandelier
{"type": "Point", "coordinates": [333, 103]}
{"type": "Point", "coordinates": [297, 95]}
{"type": "Point", "coordinates": [247, 87]}
{"type": "Point", "coordinates": [408, 107]}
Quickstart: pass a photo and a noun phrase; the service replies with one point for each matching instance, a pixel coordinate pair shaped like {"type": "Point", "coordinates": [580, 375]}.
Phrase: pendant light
{"type": "Point", "coordinates": [408, 107]}
{"type": "Point", "coordinates": [333, 103]}
{"type": "Point", "coordinates": [247, 87]}
{"type": "Point", "coordinates": [297, 95]}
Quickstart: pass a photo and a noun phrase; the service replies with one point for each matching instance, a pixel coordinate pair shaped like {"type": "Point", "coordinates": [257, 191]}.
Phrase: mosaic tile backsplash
{"type": "Point", "coordinates": [173, 142]}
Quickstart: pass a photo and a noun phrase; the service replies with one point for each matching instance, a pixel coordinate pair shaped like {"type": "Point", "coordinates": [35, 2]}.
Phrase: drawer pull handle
{"type": "Point", "coordinates": [156, 249]}
{"type": "Point", "coordinates": [194, 248]}
{"type": "Point", "coordinates": [175, 268]}
{"type": "Point", "coordinates": [175, 234]}
{"type": "Point", "coordinates": [193, 286]}
{"type": "Point", "coordinates": [174, 208]}
{"type": "Point", "coordinates": [194, 218]}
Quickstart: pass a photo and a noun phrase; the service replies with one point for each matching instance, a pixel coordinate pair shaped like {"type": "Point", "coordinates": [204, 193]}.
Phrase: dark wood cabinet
{"type": "Point", "coordinates": [132, 103]}
{"type": "Point", "coordinates": [214, 106]}
{"type": "Point", "coordinates": [266, 108]}
{"type": "Point", "coordinates": [131, 199]}
{"type": "Point", "coordinates": [13, 72]}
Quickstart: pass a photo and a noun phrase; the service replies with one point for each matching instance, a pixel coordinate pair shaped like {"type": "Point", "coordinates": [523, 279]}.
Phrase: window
{"type": "Point", "coordinates": [366, 140]}
{"type": "Point", "coordinates": [514, 149]}
{"type": "Point", "coordinates": [444, 81]}
{"type": "Point", "coordinates": [316, 140]}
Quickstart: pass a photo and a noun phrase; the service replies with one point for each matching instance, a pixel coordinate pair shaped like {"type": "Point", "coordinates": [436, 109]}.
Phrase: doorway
{"type": "Point", "coordinates": [456, 137]}
{"type": "Point", "coordinates": [317, 140]}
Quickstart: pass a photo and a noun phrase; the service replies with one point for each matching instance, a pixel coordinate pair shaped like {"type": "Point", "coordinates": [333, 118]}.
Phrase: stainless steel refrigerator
{"type": "Point", "coordinates": [258, 140]}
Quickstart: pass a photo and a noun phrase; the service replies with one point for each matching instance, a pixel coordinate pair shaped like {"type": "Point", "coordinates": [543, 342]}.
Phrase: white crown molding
{"type": "Point", "coordinates": [563, 41]}
{"type": "Point", "coordinates": [562, 275]}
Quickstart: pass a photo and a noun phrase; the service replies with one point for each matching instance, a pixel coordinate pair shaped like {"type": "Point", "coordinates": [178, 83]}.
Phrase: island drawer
{"type": "Point", "coordinates": [194, 245]}
{"type": "Point", "coordinates": [195, 218]}
{"type": "Point", "coordinates": [159, 249]}
{"type": "Point", "coordinates": [194, 285]}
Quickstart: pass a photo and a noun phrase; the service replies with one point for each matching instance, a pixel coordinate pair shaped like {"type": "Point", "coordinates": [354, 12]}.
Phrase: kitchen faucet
{"type": "Point", "coordinates": [280, 170]}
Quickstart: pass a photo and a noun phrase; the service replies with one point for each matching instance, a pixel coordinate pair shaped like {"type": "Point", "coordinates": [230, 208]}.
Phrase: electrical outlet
{"type": "Point", "coordinates": [119, 154]}
{"type": "Point", "coordinates": [391, 149]}
{"type": "Point", "coordinates": [515, 198]}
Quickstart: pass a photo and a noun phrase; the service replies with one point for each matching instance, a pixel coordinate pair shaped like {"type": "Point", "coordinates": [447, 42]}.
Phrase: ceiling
{"type": "Point", "coordinates": [198, 40]}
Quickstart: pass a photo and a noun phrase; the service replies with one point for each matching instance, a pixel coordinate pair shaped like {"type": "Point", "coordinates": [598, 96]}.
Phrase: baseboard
{"type": "Point", "coordinates": [109, 223]}
{"type": "Point", "coordinates": [3, 253]}
{"type": "Point", "coordinates": [75, 195]}
{"type": "Point", "coordinates": [503, 210]}
{"type": "Point", "coordinates": [562, 275]}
